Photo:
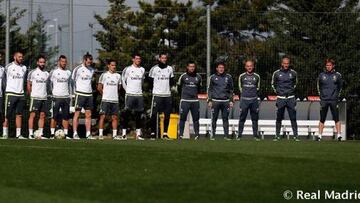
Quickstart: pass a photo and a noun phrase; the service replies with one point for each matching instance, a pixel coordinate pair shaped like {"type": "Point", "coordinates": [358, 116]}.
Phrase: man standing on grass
{"type": "Point", "coordinates": [329, 85]}
{"type": "Point", "coordinates": [60, 84]}
{"type": "Point", "coordinates": [249, 85]}
{"type": "Point", "coordinates": [284, 83]}
{"type": "Point", "coordinates": [109, 86]}
{"type": "Point", "coordinates": [162, 79]}
{"type": "Point", "coordinates": [2, 88]}
{"type": "Point", "coordinates": [133, 79]}
{"type": "Point", "coordinates": [37, 89]}
{"type": "Point", "coordinates": [220, 98]}
{"type": "Point", "coordinates": [14, 93]}
{"type": "Point", "coordinates": [189, 86]}
{"type": "Point", "coordinates": [82, 77]}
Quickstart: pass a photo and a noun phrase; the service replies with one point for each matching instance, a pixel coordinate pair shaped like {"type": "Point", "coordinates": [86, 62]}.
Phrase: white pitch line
{"type": "Point", "coordinates": [43, 147]}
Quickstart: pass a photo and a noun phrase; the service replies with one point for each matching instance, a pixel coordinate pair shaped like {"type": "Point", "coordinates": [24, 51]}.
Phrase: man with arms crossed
{"type": "Point", "coordinates": [37, 89]}
{"type": "Point", "coordinates": [132, 80]}
{"type": "Point", "coordinates": [14, 93]}
{"type": "Point", "coordinates": [329, 87]}
{"type": "Point", "coordinates": [284, 83]}
{"type": "Point", "coordinates": [82, 77]}
{"type": "Point", "coordinates": [220, 98]}
{"type": "Point", "coordinates": [109, 85]}
{"type": "Point", "coordinates": [249, 85]}
{"type": "Point", "coordinates": [189, 85]}
{"type": "Point", "coordinates": [60, 84]}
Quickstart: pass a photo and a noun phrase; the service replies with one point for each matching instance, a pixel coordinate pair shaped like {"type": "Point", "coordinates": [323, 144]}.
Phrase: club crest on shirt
{"type": "Point", "coordinates": [334, 78]}
{"type": "Point", "coordinates": [324, 77]}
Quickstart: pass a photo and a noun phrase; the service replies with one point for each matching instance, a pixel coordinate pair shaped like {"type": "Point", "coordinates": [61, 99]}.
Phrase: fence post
{"type": "Point", "coordinates": [7, 33]}
{"type": "Point", "coordinates": [208, 43]}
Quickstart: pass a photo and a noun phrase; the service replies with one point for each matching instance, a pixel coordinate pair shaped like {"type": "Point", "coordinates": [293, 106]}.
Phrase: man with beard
{"type": "Point", "coordinates": [82, 78]}
{"type": "Point", "coordinates": [189, 86]}
{"type": "Point", "coordinates": [14, 93]}
{"type": "Point", "coordinates": [36, 88]}
{"type": "Point", "coordinates": [162, 79]}
{"type": "Point", "coordinates": [60, 82]}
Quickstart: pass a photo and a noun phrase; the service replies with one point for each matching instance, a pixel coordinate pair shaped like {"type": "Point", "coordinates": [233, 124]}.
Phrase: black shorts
{"type": "Point", "coordinates": [14, 104]}
{"type": "Point", "coordinates": [135, 103]}
{"type": "Point", "coordinates": [60, 108]}
{"type": "Point", "coordinates": [334, 108]}
{"type": "Point", "coordinates": [109, 108]}
{"type": "Point", "coordinates": [37, 105]}
{"type": "Point", "coordinates": [1, 105]}
{"type": "Point", "coordinates": [85, 102]}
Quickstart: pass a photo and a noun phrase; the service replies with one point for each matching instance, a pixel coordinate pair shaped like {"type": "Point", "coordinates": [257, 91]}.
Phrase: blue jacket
{"type": "Point", "coordinates": [249, 85]}
{"type": "Point", "coordinates": [329, 85]}
{"type": "Point", "coordinates": [284, 82]}
{"type": "Point", "coordinates": [221, 87]}
{"type": "Point", "coordinates": [189, 86]}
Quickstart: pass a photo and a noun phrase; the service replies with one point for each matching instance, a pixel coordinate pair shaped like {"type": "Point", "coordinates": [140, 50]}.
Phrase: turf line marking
{"type": "Point", "coordinates": [43, 147]}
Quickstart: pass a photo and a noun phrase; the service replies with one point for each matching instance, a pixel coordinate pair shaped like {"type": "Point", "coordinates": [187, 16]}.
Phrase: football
{"type": "Point", "coordinates": [37, 134]}
{"type": "Point", "coordinates": [59, 134]}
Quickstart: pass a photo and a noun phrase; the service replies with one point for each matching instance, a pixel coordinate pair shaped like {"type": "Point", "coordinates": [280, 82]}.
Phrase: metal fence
{"type": "Point", "coordinates": [209, 35]}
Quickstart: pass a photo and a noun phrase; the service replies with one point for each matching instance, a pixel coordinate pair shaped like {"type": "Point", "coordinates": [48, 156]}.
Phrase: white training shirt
{"type": "Point", "coordinates": [60, 81]}
{"type": "Point", "coordinates": [111, 83]}
{"type": "Point", "coordinates": [161, 80]}
{"type": "Point", "coordinates": [15, 77]}
{"type": "Point", "coordinates": [82, 77]}
{"type": "Point", "coordinates": [38, 79]}
{"type": "Point", "coordinates": [2, 78]}
{"type": "Point", "coordinates": [132, 80]}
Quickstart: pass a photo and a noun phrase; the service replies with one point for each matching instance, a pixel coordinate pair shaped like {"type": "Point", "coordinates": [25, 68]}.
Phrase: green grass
{"type": "Point", "coordinates": [173, 171]}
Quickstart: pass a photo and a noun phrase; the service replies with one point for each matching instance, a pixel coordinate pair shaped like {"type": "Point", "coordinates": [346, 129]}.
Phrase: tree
{"type": "Point", "coordinates": [310, 35]}
{"type": "Point", "coordinates": [17, 39]}
{"type": "Point", "coordinates": [170, 26]}
{"type": "Point", "coordinates": [37, 42]}
{"type": "Point", "coordinates": [310, 31]}
{"type": "Point", "coordinates": [241, 30]}
{"type": "Point", "coordinates": [115, 38]}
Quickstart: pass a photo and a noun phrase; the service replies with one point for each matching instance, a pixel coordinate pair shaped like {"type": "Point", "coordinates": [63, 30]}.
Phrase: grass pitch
{"type": "Point", "coordinates": [173, 171]}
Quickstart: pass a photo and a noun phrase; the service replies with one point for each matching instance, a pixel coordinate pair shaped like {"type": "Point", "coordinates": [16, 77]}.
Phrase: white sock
{"type": "Point", "coordinates": [338, 135]}
{"type": "Point", "coordinates": [5, 130]}
{"type": "Point", "coordinates": [320, 135]}
{"type": "Point", "coordinates": [66, 131]}
{"type": "Point", "coordinates": [31, 132]}
{"type": "Point", "coordinates": [114, 133]}
{"type": "Point", "coordinates": [52, 131]}
{"type": "Point", "coordinates": [138, 132]}
{"type": "Point", "coordinates": [123, 132]}
{"type": "Point", "coordinates": [41, 130]}
{"type": "Point", "coordinates": [18, 132]}
{"type": "Point", "coordinates": [75, 132]}
{"type": "Point", "coordinates": [100, 132]}
{"type": "Point", "coordinates": [88, 133]}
